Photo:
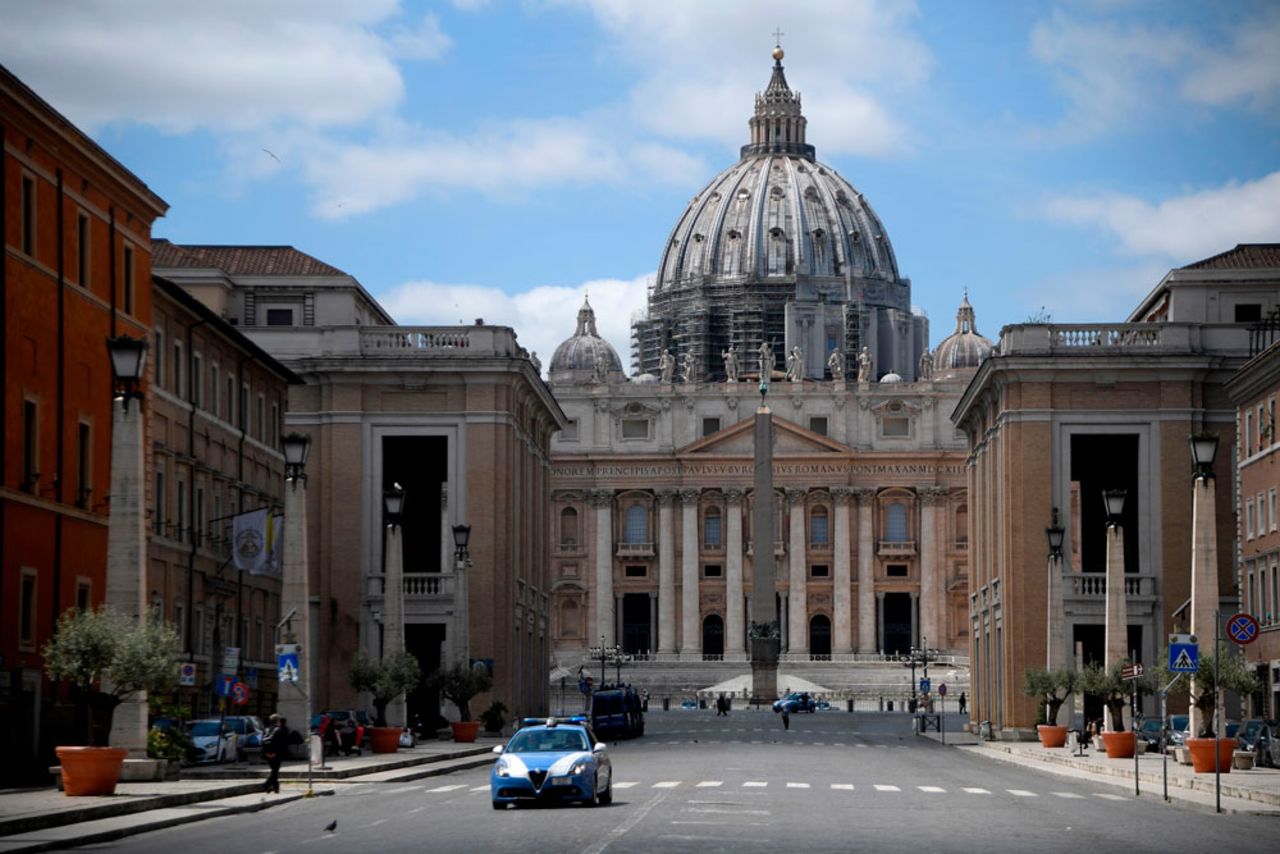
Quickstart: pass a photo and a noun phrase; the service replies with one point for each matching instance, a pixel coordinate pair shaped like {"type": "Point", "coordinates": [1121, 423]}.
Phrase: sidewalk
{"type": "Point", "coordinates": [45, 819]}
{"type": "Point", "coordinates": [1256, 791]}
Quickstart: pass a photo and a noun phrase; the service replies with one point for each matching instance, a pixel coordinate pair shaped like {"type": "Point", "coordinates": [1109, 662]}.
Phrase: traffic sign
{"type": "Point", "coordinates": [942, 689]}
{"type": "Point", "coordinates": [230, 659]}
{"type": "Point", "coordinates": [287, 663]}
{"type": "Point", "coordinates": [925, 686]}
{"type": "Point", "coordinates": [187, 674]}
{"type": "Point", "coordinates": [239, 693]}
{"type": "Point", "coordinates": [225, 681]}
{"type": "Point", "coordinates": [1133, 671]}
{"type": "Point", "coordinates": [1184, 657]}
{"type": "Point", "coordinates": [1242, 628]}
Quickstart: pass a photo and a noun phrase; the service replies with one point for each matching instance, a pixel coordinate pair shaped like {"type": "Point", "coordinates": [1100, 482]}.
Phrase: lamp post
{"type": "Point", "coordinates": [461, 600]}
{"type": "Point", "coordinates": [918, 656]}
{"type": "Point", "coordinates": [393, 592]}
{"type": "Point", "coordinates": [294, 701]}
{"type": "Point", "coordinates": [126, 525]}
{"type": "Point", "coordinates": [1204, 551]}
{"type": "Point", "coordinates": [1117, 622]}
{"type": "Point", "coordinates": [1055, 647]}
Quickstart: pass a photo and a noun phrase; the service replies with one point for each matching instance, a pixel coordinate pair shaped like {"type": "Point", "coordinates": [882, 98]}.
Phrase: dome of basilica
{"type": "Point", "coordinates": [585, 355]}
{"type": "Point", "coordinates": [964, 348]}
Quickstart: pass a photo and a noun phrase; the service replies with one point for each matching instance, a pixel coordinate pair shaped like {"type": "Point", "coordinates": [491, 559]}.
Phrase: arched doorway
{"type": "Point", "coordinates": [820, 636]}
{"type": "Point", "coordinates": [713, 636]}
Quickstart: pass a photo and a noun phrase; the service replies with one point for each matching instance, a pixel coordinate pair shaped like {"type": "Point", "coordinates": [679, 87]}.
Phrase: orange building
{"type": "Point", "coordinates": [77, 269]}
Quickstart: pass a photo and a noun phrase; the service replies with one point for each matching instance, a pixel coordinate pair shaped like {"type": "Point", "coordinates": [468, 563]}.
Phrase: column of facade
{"type": "Point", "coordinates": [932, 509]}
{"type": "Point", "coordinates": [690, 618]}
{"type": "Point", "coordinates": [870, 633]}
{"type": "Point", "coordinates": [842, 625]}
{"type": "Point", "coordinates": [798, 599]}
{"type": "Point", "coordinates": [878, 604]}
{"type": "Point", "coordinates": [602, 500]}
{"type": "Point", "coordinates": [915, 619]}
{"type": "Point", "coordinates": [653, 622]}
{"type": "Point", "coordinates": [735, 605]}
{"type": "Point", "coordinates": [620, 633]}
{"type": "Point", "coordinates": [666, 573]}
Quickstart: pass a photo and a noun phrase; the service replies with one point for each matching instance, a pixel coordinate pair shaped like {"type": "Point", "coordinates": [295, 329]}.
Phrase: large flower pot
{"type": "Point", "coordinates": [1052, 736]}
{"type": "Point", "coordinates": [385, 739]}
{"type": "Point", "coordinates": [1119, 744]}
{"type": "Point", "coordinates": [1202, 754]}
{"type": "Point", "coordinates": [465, 731]}
{"type": "Point", "coordinates": [90, 770]}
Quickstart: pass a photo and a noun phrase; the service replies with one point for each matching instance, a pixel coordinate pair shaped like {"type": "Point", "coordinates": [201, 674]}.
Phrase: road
{"type": "Point", "coordinates": [696, 782]}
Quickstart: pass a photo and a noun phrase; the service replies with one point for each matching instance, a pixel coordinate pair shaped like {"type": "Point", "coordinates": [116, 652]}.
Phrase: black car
{"type": "Point", "coordinates": [1266, 746]}
{"type": "Point", "coordinates": [796, 701]}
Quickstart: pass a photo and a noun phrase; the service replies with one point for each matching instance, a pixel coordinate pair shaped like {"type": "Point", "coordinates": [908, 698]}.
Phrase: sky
{"type": "Point", "coordinates": [472, 159]}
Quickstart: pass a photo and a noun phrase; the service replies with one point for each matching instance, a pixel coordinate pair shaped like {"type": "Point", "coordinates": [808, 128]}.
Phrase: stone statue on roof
{"type": "Point", "coordinates": [730, 357]}
{"type": "Point", "coordinates": [666, 366]}
{"type": "Point", "coordinates": [836, 365]}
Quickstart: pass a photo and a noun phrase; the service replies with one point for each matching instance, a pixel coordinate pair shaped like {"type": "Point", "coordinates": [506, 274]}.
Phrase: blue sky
{"type": "Point", "coordinates": [479, 158]}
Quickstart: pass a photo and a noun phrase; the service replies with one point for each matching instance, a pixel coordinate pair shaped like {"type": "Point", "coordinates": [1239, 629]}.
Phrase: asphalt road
{"type": "Point", "coordinates": [696, 782]}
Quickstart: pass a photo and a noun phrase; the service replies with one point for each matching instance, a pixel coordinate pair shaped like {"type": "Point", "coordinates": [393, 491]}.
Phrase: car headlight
{"type": "Point", "coordinates": [502, 769]}
{"type": "Point", "coordinates": [579, 767]}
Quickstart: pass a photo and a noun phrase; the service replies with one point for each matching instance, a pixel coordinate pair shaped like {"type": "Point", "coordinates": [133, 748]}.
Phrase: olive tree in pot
{"type": "Point", "coordinates": [459, 684]}
{"type": "Point", "coordinates": [1051, 687]}
{"type": "Point", "coordinates": [107, 657]}
{"type": "Point", "coordinates": [1231, 674]}
{"type": "Point", "coordinates": [386, 680]}
{"type": "Point", "coordinates": [1115, 692]}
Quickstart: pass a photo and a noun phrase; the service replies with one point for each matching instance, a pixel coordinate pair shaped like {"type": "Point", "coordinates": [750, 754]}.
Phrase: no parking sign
{"type": "Point", "coordinates": [239, 693]}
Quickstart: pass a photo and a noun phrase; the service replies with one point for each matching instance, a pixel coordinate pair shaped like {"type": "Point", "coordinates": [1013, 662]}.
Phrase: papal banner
{"type": "Point", "coordinates": [249, 540]}
{"type": "Point", "coordinates": [275, 539]}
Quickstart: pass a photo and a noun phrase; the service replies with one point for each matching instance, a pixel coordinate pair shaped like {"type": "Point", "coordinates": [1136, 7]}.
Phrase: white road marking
{"type": "Point", "coordinates": [1068, 795]}
{"type": "Point", "coordinates": [666, 784]}
{"type": "Point", "coordinates": [710, 784]}
{"type": "Point", "coordinates": [883, 788]}
{"type": "Point", "coordinates": [446, 788]}
{"type": "Point", "coordinates": [844, 787]}
{"type": "Point", "coordinates": [1022, 793]}
{"type": "Point", "coordinates": [375, 823]}
{"type": "Point", "coordinates": [626, 785]}
{"type": "Point", "coordinates": [754, 784]}
{"type": "Point", "coordinates": [403, 789]}
{"type": "Point", "coordinates": [732, 811]}
{"type": "Point", "coordinates": [480, 788]}
{"type": "Point", "coordinates": [973, 790]}
{"type": "Point", "coordinates": [1110, 797]}
{"type": "Point", "coordinates": [617, 833]}
{"type": "Point", "coordinates": [797, 785]}
{"type": "Point", "coordinates": [931, 789]}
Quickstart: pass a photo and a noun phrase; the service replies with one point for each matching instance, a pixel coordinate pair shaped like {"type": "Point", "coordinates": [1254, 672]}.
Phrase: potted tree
{"type": "Point", "coordinates": [1115, 693]}
{"type": "Point", "coordinates": [385, 680]}
{"type": "Point", "coordinates": [458, 684]}
{"type": "Point", "coordinates": [494, 718]}
{"type": "Point", "coordinates": [1051, 687]}
{"type": "Point", "coordinates": [107, 657]}
{"type": "Point", "coordinates": [1232, 674]}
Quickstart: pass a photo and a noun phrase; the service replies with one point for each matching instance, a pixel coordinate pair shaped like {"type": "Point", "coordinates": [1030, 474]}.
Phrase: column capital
{"type": "Point", "coordinates": [600, 497]}
{"type": "Point", "coordinates": [843, 495]}
{"type": "Point", "coordinates": [666, 496]}
{"type": "Point", "coordinates": [690, 496]}
{"type": "Point", "coordinates": [864, 494]}
{"type": "Point", "coordinates": [734, 495]}
{"type": "Point", "coordinates": [931, 496]}
{"type": "Point", "coordinates": [796, 496]}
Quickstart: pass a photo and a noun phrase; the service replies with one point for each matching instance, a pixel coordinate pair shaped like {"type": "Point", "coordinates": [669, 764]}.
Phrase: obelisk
{"type": "Point", "coordinates": [766, 639]}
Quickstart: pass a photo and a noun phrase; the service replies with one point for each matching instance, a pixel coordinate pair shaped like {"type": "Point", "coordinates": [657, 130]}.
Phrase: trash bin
{"type": "Point", "coordinates": [666, 704]}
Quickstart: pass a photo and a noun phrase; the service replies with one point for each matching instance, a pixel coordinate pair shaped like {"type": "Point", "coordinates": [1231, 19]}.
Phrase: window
{"type": "Point", "coordinates": [895, 523]}
{"type": "Point", "coordinates": [819, 570]}
{"type": "Point", "coordinates": [178, 625]}
{"type": "Point", "coordinates": [1274, 612]}
{"type": "Point", "coordinates": [28, 215]}
{"type": "Point", "coordinates": [82, 250]}
{"type": "Point", "coordinates": [712, 570]}
{"type": "Point", "coordinates": [27, 610]}
{"type": "Point", "coordinates": [30, 445]}
{"type": "Point", "coordinates": [1248, 516]}
{"type": "Point", "coordinates": [180, 518]}
{"type": "Point", "coordinates": [84, 594]}
{"type": "Point", "coordinates": [637, 524]}
{"type": "Point", "coordinates": [1262, 429]}
{"type": "Point", "coordinates": [570, 431]}
{"type": "Point", "coordinates": [568, 526]}
{"type": "Point", "coordinates": [895, 426]}
{"type": "Point", "coordinates": [262, 418]}
{"type": "Point", "coordinates": [710, 425]}
{"type": "Point", "coordinates": [1248, 312]}
{"type": "Point", "coordinates": [244, 407]}
{"type": "Point", "coordinates": [158, 516]}
{"type": "Point", "coordinates": [1252, 593]}
{"type": "Point", "coordinates": [896, 570]}
{"type": "Point", "coordinates": [197, 380]}
{"type": "Point", "coordinates": [261, 645]}
{"type": "Point", "coordinates": [711, 527]}
{"type": "Point", "coordinates": [1262, 514]}
{"type": "Point", "coordinates": [273, 434]}
{"type": "Point", "coordinates": [279, 317]}
{"type": "Point", "coordinates": [84, 480]}
{"type": "Point", "coordinates": [635, 571]}
{"type": "Point", "coordinates": [198, 518]}
{"type": "Point", "coordinates": [126, 295]}
{"type": "Point", "coordinates": [177, 368]}
{"type": "Point", "coordinates": [635, 428]}
{"type": "Point", "coordinates": [215, 391]}
{"type": "Point", "coordinates": [159, 360]}
{"type": "Point", "coordinates": [818, 424]}
{"type": "Point", "coordinates": [1248, 434]}
{"type": "Point", "coordinates": [231, 399]}
{"type": "Point", "coordinates": [198, 633]}
{"type": "Point", "coordinates": [819, 534]}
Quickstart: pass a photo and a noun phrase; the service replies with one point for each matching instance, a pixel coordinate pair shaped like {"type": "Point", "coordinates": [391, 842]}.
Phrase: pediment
{"type": "Point", "coordinates": [738, 440]}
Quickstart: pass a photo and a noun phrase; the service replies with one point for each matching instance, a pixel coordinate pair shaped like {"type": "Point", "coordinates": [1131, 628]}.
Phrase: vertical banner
{"type": "Point", "coordinates": [275, 538]}
{"type": "Point", "coordinates": [249, 540]}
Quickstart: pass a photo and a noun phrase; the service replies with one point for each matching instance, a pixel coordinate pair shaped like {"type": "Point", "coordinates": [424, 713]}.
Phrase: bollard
{"type": "Point", "coordinates": [882, 704]}
{"type": "Point", "coordinates": [850, 705]}
{"type": "Point", "coordinates": [891, 705]}
{"type": "Point", "coordinates": [666, 704]}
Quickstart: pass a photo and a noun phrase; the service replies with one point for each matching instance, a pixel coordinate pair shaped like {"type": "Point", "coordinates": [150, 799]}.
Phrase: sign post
{"type": "Point", "coordinates": [1133, 672]}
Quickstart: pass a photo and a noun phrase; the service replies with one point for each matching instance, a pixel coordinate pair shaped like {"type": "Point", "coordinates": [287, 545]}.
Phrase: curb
{"type": "Point", "coordinates": [98, 809]}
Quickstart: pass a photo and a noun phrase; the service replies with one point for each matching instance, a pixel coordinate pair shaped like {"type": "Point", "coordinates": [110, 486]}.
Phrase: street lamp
{"type": "Point", "coordinates": [1204, 550]}
{"type": "Point", "coordinates": [1114, 500]}
{"type": "Point", "coordinates": [297, 447]}
{"type": "Point", "coordinates": [1204, 447]}
{"type": "Point", "coordinates": [128, 360]}
{"type": "Point", "coordinates": [1116, 630]}
{"type": "Point", "coordinates": [1055, 534]}
{"type": "Point", "coordinates": [393, 592]}
{"type": "Point", "coordinates": [462, 604]}
{"type": "Point", "coordinates": [294, 700]}
{"type": "Point", "coordinates": [393, 503]}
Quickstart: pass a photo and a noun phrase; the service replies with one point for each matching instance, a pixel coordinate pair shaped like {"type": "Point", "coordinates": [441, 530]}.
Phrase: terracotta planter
{"type": "Point", "coordinates": [90, 770]}
{"type": "Point", "coordinates": [1052, 736]}
{"type": "Point", "coordinates": [1202, 754]}
{"type": "Point", "coordinates": [1119, 744]}
{"type": "Point", "coordinates": [385, 739]}
{"type": "Point", "coordinates": [465, 731]}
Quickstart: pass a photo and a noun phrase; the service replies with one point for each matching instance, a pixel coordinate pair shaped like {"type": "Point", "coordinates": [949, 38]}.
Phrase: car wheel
{"type": "Point", "coordinates": [595, 792]}
{"type": "Point", "coordinates": [499, 805]}
{"type": "Point", "coordinates": [606, 797]}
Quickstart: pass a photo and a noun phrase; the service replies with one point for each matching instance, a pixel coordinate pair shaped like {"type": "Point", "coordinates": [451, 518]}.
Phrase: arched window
{"type": "Point", "coordinates": [569, 617]}
{"type": "Point", "coordinates": [713, 636]}
{"type": "Point", "coordinates": [895, 523]}
{"type": "Point", "coordinates": [962, 524]}
{"type": "Point", "coordinates": [568, 526]}
{"type": "Point", "coordinates": [820, 636]}
{"type": "Point", "coordinates": [711, 527]}
{"type": "Point", "coordinates": [819, 533]}
{"type": "Point", "coordinates": [637, 527]}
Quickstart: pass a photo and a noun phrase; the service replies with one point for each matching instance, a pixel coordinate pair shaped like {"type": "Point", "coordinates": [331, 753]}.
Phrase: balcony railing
{"type": "Point", "coordinates": [779, 548]}
{"type": "Point", "coordinates": [635, 549]}
{"type": "Point", "coordinates": [713, 548]}
{"type": "Point", "coordinates": [1094, 584]}
{"type": "Point", "coordinates": [417, 585]}
{"type": "Point", "coordinates": [569, 548]}
{"type": "Point", "coordinates": [896, 548]}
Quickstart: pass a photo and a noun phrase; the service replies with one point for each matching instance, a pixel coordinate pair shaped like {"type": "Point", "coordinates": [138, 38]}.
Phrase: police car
{"type": "Point", "coordinates": [552, 760]}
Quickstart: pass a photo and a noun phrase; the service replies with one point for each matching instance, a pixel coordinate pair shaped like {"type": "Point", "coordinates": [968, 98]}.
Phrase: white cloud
{"type": "Point", "coordinates": [426, 41]}
{"type": "Point", "coordinates": [1184, 227]}
{"type": "Point", "coordinates": [1248, 70]}
{"type": "Point", "coordinates": [542, 316]}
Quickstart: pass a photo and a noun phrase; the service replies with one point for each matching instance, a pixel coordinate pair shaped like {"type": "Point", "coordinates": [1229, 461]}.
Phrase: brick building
{"type": "Point", "coordinates": [76, 227]}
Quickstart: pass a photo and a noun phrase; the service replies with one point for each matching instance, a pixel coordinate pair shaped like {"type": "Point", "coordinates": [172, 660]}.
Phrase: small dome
{"type": "Point", "coordinates": [964, 348]}
{"type": "Point", "coordinates": [891, 377]}
{"type": "Point", "coordinates": [585, 356]}
{"type": "Point", "coordinates": [645, 379]}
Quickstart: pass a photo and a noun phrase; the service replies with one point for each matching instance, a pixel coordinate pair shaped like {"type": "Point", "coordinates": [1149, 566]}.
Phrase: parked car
{"type": "Point", "coordinates": [249, 732]}
{"type": "Point", "coordinates": [1178, 725]}
{"type": "Point", "coordinates": [796, 701]}
{"type": "Point", "coordinates": [1266, 746]}
{"type": "Point", "coordinates": [1248, 734]}
{"type": "Point", "coordinates": [1150, 732]}
{"type": "Point", "coordinates": [213, 740]}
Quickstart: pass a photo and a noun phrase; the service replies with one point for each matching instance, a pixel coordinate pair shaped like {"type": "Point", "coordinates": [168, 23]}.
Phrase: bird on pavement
{"type": "Point", "coordinates": [331, 826]}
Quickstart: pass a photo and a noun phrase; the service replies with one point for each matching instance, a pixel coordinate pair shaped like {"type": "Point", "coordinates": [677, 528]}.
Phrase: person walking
{"type": "Point", "coordinates": [275, 741]}
{"type": "Point", "coordinates": [786, 718]}
{"type": "Point", "coordinates": [963, 702]}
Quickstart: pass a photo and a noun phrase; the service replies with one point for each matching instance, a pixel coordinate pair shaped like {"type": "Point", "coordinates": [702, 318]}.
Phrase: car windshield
{"type": "Point", "coordinates": [1251, 729]}
{"type": "Point", "coordinates": [204, 728]}
{"type": "Point", "coordinates": [1178, 722]}
{"type": "Point", "coordinates": [547, 741]}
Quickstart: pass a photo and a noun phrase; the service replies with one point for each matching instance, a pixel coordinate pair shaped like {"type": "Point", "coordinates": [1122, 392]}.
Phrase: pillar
{"type": "Point", "coordinates": [870, 629]}
{"type": "Point", "coordinates": [602, 500]}
{"type": "Point", "coordinates": [617, 618]}
{"type": "Point", "coordinates": [653, 623]}
{"type": "Point", "coordinates": [842, 625]}
{"type": "Point", "coordinates": [393, 613]}
{"type": "Point", "coordinates": [735, 625]}
{"type": "Point", "coordinates": [295, 596]}
{"type": "Point", "coordinates": [690, 624]}
{"type": "Point", "coordinates": [797, 601]}
{"type": "Point", "coordinates": [1204, 581]}
{"type": "Point", "coordinates": [1117, 621]}
{"type": "Point", "coordinates": [932, 508]}
{"type": "Point", "coordinates": [666, 641]}
{"type": "Point", "coordinates": [915, 620]}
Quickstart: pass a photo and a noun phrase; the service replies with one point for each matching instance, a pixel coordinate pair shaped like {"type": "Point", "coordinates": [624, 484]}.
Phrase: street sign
{"type": "Point", "coordinates": [1132, 671]}
{"type": "Point", "coordinates": [1242, 628]}
{"type": "Point", "coordinates": [942, 689]}
{"type": "Point", "coordinates": [924, 686]}
{"type": "Point", "coordinates": [251, 677]}
{"type": "Point", "coordinates": [1184, 657]}
{"type": "Point", "coordinates": [230, 659]}
{"type": "Point", "coordinates": [187, 674]}
{"type": "Point", "coordinates": [225, 681]}
{"type": "Point", "coordinates": [287, 662]}
{"type": "Point", "coordinates": [239, 693]}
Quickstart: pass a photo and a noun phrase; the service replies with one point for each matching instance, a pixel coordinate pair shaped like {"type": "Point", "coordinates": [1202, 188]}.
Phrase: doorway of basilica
{"type": "Point", "coordinates": [636, 623]}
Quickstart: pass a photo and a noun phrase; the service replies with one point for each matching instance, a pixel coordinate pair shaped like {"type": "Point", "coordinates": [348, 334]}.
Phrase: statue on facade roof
{"type": "Point", "coordinates": [795, 365]}
{"type": "Point", "coordinates": [865, 365]}
{"type": "Point", "coordinates": [689, 368]}
{"type": "Point", "coordinates": [836, 365]}
{"type": "Point", "coordinates": [730, 357]}
{"type": "Point", "coordinates": [666, 366]}
{"type": "Point", "coordinates": [766, 362]}
{"type": "Point", "coordinates": [926, 365]}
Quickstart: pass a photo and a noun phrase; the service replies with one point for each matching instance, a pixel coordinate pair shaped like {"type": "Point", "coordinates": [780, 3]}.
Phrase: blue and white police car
{"type": "Point", "coordinates": [552, 760]}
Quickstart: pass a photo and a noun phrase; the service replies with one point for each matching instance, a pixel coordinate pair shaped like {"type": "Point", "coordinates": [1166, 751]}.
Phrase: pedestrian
{"type": "Point", "coordinates": [275, 741]}
{"type": "Point", "coordinates": [786, 718]}
{"type": "Point", "coordinates": [963, 702]}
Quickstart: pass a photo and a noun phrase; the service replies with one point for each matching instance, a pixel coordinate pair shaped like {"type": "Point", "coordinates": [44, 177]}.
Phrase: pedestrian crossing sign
{"type": "Point", "coordinates": [287, 662]}
{"type": "Point", "coordinates": [1184, 657]}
